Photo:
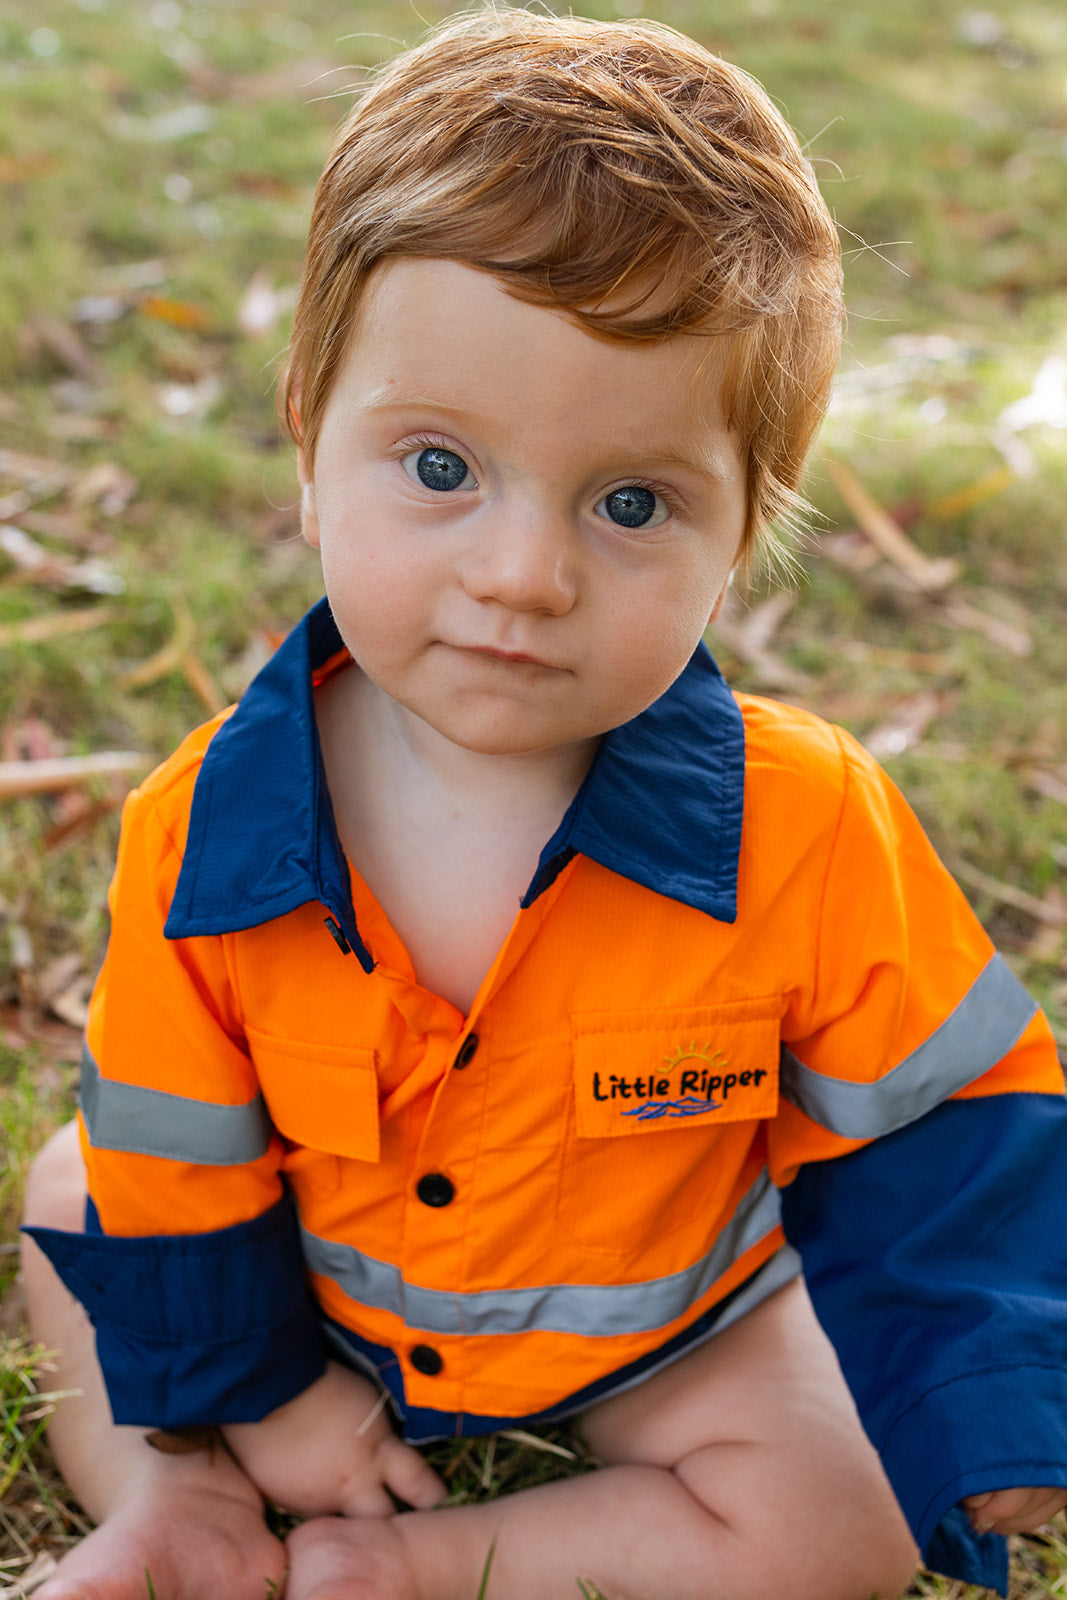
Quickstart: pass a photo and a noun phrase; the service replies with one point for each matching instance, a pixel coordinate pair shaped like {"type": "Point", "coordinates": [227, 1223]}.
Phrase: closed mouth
{"type": "Point", "coordinates": [497, 654]}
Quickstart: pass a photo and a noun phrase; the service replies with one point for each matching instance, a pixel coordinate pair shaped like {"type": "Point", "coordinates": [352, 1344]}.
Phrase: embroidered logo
{"type": "Point", "coordinates": [698, 1069]}
{"type": "Point", "coordinates": [692, 1091]}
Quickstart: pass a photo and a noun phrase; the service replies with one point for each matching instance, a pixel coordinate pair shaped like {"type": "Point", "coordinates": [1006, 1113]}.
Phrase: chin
{"type": "Point", "coordinates": [496, 735]}
{"type": "Point", "coordinates": [497, 741]}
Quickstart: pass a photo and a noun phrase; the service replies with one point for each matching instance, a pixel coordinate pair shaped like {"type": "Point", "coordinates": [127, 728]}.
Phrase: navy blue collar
{"type": "Point", "coordinates": [661, 804]}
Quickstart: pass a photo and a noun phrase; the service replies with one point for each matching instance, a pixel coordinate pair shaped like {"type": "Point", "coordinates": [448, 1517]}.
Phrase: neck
{"type": "Point", "coordinates": [402, 744]}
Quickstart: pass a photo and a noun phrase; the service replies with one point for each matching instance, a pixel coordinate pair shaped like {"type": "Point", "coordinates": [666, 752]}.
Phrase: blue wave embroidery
{"type": "Point", "coordinates": [691, 1106]}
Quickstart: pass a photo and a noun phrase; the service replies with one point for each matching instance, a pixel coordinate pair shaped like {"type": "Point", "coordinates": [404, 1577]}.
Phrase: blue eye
{"type": "Point", "coordinates": [437, 468]}
{"type": "Point", "coordinates": [633, 506]}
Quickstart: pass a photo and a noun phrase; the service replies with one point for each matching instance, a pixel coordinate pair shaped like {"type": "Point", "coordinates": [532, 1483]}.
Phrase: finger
{"type": "Point", "coordinates": [1044, 1505]}
{"type": "Point", "coordinates": [410, 1478]}
{"type": "Point", "coordinates": [365, 1496]}
{"type": "Point", "coordinates": [975, 1502]}
{"type": "Point", "coordinates": [1015, 1510]}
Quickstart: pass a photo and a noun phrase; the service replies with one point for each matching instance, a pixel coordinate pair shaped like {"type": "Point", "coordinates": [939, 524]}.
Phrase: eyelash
{"type": "Point", "coordinates": [430, 441]}
{"type": "Point", "coordinates": [666, 495]}
{"type": "Point", "coordinates": [427, 441]}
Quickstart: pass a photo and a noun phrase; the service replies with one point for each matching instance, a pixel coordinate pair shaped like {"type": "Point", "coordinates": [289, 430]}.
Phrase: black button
{"type": "Point", "coordinates": [434, 1189]}
{"type": "Point", "coordinates": [338, 937]}
{"type": "Point", "coordinates": [424, 1358]}
{"type": "Point", "coordinates": [466, 1051]}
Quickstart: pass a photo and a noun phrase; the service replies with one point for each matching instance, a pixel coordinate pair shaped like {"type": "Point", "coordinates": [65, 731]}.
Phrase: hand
{"type": "Point", "coordinates": [1014, 1510]}
{"type": "Point", "coordinates": [332, 1450]}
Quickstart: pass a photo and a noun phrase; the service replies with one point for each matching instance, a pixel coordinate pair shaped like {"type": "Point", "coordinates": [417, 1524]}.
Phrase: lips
{"type": "Point", "coordinates": [496, 653]}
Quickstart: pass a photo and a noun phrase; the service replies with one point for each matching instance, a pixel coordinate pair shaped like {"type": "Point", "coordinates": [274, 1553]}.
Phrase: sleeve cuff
{"type": "Point", "coordinates": [978, 1422]}
{"type": "Point", "coordinates": [193, 1329]}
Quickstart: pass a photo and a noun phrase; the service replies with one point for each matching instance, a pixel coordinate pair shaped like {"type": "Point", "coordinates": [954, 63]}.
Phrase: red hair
{"type": "Point", "coordinates": [613, 170]}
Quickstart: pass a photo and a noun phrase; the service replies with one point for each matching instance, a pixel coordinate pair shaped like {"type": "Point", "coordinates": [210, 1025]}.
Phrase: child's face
{"type": "Point", "coordinates": [524, 529]}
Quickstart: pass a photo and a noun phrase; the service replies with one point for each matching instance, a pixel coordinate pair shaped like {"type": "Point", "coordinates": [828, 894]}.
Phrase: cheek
{"type": "Point", "coordinates": [652, 644]}
{"type": "Point", "coordinates": [374, 583]}
{"type": "Point", "coordinates": [681, 611]}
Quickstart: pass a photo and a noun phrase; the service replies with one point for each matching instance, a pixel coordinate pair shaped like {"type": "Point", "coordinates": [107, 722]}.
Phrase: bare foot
{"type": "Point", "coordinates": [349, 1558]}
{"type": "Point", "coordinates": [192, 1543]}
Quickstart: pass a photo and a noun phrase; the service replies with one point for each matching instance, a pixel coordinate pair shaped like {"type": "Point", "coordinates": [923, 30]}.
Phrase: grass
{"type": "Point", "coordinates": [156, 167]}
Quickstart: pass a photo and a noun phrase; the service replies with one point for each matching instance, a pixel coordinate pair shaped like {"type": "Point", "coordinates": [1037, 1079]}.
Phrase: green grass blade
{"type": "Point", "coordinates": [484, 1585]}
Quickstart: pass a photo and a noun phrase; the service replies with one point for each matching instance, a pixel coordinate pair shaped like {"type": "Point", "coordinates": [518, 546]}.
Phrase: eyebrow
{"type": "Point", "coordinates": [706, 466]}
{"type": "Point", "coordinates": [379, 401]}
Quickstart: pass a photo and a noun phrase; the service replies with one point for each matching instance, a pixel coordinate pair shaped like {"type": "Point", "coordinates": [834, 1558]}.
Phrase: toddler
{"type": "Point", "coordinates": [504, 1021]}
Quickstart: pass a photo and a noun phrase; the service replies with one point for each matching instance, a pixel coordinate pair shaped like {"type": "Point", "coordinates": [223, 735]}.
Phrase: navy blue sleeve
{"type": "Point", "coordinates": [936, 1259]}
{"type": "Point", "coordinates": [196, 1328]}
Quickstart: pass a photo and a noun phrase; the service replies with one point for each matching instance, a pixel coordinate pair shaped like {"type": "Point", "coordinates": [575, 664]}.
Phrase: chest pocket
{"type": "Point", "coordinates": [320, 1096]}
{"type": "Point", "coordinates": [665, 1108]}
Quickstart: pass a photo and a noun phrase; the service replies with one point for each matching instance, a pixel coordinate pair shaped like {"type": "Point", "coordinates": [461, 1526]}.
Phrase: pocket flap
{"type": "Point", "coordinates": [673, 1069]}
{"type": "Point", "coordinates": [322, 1096]}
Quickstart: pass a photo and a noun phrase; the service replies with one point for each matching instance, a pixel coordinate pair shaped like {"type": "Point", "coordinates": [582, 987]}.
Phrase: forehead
{"type": "Point", "coordinates": [445, 334]}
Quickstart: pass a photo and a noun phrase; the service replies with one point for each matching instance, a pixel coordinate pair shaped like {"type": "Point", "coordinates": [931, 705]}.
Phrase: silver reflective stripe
{"type": "Point", "coordinates": [984, 1026]}
{"type": "Point", "coordinates": [150, 1122]}
{"type": "Point", "coordinates": [591, 1309]}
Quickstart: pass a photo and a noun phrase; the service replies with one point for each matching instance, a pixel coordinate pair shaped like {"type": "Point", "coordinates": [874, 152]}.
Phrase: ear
{"type": "Point", "coordinates": [309, 514]}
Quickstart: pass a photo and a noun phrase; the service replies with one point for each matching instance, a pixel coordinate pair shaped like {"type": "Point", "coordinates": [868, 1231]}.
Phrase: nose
{"type": "Point", "coordinates": [524, 562]}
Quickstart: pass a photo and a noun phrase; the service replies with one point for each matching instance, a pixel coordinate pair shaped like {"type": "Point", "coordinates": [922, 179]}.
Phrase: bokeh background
{"type": "Point", "coordinates": [157, 160]}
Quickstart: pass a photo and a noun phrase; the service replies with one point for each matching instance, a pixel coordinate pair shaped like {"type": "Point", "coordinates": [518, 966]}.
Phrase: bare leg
{"type": "Point", "coordinates": [194, 1523]}
{"type": "Point", "coordinates": [740, 1473]}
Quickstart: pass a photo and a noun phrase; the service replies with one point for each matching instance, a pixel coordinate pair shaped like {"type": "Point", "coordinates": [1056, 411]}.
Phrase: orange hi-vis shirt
{"type": "Point", "coordinates": [740, 961]}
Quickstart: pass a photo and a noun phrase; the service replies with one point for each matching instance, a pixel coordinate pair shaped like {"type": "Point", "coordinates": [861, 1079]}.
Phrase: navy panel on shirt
{"type": "Point", "coordinates": [263, 839]}
{"type": "Point", "coordinates": [947, 1311]}
{"type": "Point", "coordinates": [196, 1328]}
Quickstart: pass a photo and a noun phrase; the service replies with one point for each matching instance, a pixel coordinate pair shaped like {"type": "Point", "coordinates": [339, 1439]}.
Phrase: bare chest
{"type": "Point", "coordinates": [451, 900]}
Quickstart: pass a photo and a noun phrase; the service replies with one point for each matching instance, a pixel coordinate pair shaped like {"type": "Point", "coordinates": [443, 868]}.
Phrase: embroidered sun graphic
{"type": "Point", "coordinates": [694, 1052]}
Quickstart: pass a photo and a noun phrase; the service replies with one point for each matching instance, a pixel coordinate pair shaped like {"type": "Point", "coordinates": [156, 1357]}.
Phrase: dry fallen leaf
{"type": "Point", "coordinates": [22, 167]}
{"type": "Point", "coordinates": [960, 614]}
{"type": "Point", "coordinates": [1051, 911]}
{"type": "Point", "coordinates": [972, 494]}
{"type": "Point", "coordinates": [77, 823]}
{"type": "Point", "coordinates": [851, 550]}
{"type": "Point", "coordinates": [57, 975]}
{"type": "Point", "coordinates": [168, 658]}
{"type": "Point", "coordinates": [71, 1005]}
{"type": "Point", "coordinates": [178, 313]}
{"type": "Point", "coordinates": [905, 727]}
{"type": "Point", "coordinates": [107, 486]}
{"type": "Point", "coordinates": [1048, 942]}
{"type": "Point", "coordinates": [32, 630]}
{"type": "Point", "coordinates": [202, 683]}
{"type": "Point", "coordinates": [911, 660]}
{"type": "Point", "coordinates": [19, 778]}
{"type": "Point", "coordinates": [1048, 784]}
{"type": "Point", "coordinates": [749, 638]}
{"type": "Point", "coordinates": [887, 536]}
{"type": "Point", "coordinates": [65, 344]}
{"type": "Point", "coordinates": [39, 565]}
{"type": "Point", "coordinates": [67, 526]}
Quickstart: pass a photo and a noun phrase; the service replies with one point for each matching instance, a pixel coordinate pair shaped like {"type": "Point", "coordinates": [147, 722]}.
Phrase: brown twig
{"type": "Point", "coordinates": [32, 630]}
{"type": "Point", "coordinates": [887, 536]}
{"type": "Point", "coordinates": [19, 778]}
